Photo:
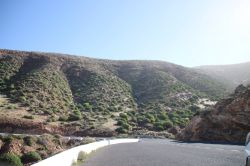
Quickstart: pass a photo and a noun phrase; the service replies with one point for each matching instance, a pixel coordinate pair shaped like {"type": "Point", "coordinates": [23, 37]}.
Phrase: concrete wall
{"type": "Point", "coordinates": [66, 158]}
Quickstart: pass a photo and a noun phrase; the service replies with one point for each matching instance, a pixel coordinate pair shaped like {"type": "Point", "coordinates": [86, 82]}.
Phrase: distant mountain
{"type": "Point", "coordinates": [84, 94]}
{"type": "Point", "coordinates": [227, 121]}
{"type": "Point", "coordinates": [230, 75]}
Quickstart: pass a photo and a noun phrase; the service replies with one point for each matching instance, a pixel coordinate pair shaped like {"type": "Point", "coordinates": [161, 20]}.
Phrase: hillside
{"type": "Point", "coordinates": [74, 95]}
{"type": "Point", "coordinates": [230, 75]}
{"type": "Point", "coordinates": [227, 121]}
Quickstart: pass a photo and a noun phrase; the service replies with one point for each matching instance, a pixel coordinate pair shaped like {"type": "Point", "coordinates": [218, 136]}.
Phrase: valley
{"type": "Point", "coordinates": [64, 95]}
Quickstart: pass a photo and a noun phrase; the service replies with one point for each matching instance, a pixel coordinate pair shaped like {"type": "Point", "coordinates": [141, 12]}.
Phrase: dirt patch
{"type": "Point", "coordinates": [111, 124]}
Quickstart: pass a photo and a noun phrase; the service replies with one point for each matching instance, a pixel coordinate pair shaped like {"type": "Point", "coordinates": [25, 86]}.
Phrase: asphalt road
{"type": "Point", "coordinates": [167, 153]}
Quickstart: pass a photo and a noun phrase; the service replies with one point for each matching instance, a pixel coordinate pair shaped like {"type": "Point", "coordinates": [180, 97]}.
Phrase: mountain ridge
{"type": "Point", "coordinates": [231, 75]}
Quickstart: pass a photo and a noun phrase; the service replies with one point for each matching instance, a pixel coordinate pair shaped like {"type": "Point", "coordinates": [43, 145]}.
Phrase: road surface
{"type": "Point", "coordinates": [158, 152]}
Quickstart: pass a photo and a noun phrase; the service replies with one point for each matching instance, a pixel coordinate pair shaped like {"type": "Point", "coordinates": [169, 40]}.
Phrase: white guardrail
{"type": "Point", "coordinates": [66, 158]}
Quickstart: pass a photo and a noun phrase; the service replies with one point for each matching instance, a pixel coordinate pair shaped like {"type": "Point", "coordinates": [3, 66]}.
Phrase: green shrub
{"type": "Point", "coordinates": [113, 109]}
{"type": "Point", "coordinates": [52, 119]}
{"type": "Point", "coordinates": [31, 157]}
{"type": "Point", "coordinates": [54, 110]}
{"type": "Point", "coordinates": [8, 139]}
{"type": "Point", "coordinates": [150, 117]}
{"type": "Point", "coordinates": [167, 124]}
{"type": "Point", "coordinates": [22, 98]}
{"type": "Point", "coordinates": [87, 106]}
{"type": "Point", "coordinates": [11, 106]}
{"type": "Point", "coordinates": [11, 159]}
{"type": "Point", "coordinates": [121, 130]}
{"type": "Point", "coordinates": [32, 110]}
{"type": "Point", "coordinates": [123, 116]}
{"type": "Point", "coordinates": [48, 112]}
{"type": "Point", "coordinates": [159, 126]}
{"type": "Point", "coordinates": [28, 117]}
{"type": "Point", "coordinates": [142, 120]}
{"type": "Point", "coordinates": [126, 126]}
{"type": "Point", "coordinates": [100, 108]}
{"type": "Point", "coordinates": [120, 122]}
{"type": "Point", "coordinates": [29, 140]}
{"type": "Point", "coordinates": [134, 119]}
{"type": "Point", "coordinates": [162, 116]}
{"type": "Point", "coordinates": [63, 118]}
{"type": "Point", "coordinates": [194, 108]}
{"type": "Point", "coordinates": [74, 117]}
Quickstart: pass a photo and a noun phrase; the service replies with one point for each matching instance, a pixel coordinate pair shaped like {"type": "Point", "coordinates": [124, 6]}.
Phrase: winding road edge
{"type": "Point", "coordinates": [66, 158]}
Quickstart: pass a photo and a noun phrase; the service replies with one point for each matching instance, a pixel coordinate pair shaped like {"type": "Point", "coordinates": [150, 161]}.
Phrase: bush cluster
{"type": "Point", "coordinates": [76, 115]}
{"type": "Point", "coordinates": [11, 159]}
{"type": "Point", "coordinates": [28, 117]}
{"type": "Point", "coordinates": [31, 157]}
{"type": "Point", "coordinates": [123, 123]}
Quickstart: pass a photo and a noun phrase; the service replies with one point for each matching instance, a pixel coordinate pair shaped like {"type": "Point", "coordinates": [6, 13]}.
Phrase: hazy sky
{"type": "Point", "coordinates": [185, 32]}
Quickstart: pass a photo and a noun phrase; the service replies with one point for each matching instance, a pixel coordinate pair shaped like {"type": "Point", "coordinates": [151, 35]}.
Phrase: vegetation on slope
{"type": "Point", "coordinates": [44, 90]}
{"type": "Point", "coordinates": [95, 91]}
{"type": "Point", "coordinates": [183, 78]}
{"type": "Point", "coordinates": [26, 150]}
{"type": "Point", "coordinates": [9, 65]}
{"type": "Point", "coordinates": [125, 96]}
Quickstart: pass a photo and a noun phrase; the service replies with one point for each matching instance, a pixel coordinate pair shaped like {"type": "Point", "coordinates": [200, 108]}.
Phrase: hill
{"type": "Point", "coordinates": [231, 75]}
{"type": "Point", "coordinates": [74, 95]}
{"type": "Point", "coordinates": [227, 121]}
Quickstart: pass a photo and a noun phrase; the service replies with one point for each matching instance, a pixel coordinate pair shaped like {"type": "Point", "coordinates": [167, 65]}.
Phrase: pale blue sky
{"type": "Point", "coordinates": [185, 32]}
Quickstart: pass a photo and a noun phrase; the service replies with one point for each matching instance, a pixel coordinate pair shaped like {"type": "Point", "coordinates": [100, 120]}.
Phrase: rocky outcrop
{"type": "Point", "coordinates": [227, 121]}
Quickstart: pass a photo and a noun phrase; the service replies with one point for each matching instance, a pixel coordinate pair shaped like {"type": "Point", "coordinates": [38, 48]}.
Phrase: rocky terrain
{"type": "Point", "coordinates": [72, 95]}
{"type": "Point", "coordinates": [227, 121]}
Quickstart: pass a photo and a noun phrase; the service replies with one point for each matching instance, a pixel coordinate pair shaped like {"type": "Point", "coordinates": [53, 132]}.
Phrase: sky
{"type": "Point", "coordinates": [185, 32]}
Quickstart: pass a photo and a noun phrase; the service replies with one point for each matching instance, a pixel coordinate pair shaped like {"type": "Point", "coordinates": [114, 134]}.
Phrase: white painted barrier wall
{"type": "Point", "coordinates": [66, 158]}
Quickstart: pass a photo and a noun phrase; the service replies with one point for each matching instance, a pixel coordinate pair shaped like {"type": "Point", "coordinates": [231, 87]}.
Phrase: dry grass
{"type": "Point", "coordinates": [8, 109]}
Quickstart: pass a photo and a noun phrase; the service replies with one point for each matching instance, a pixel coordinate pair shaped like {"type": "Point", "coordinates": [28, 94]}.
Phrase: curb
{"type": "Point", "coordinates": [66, 158]}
